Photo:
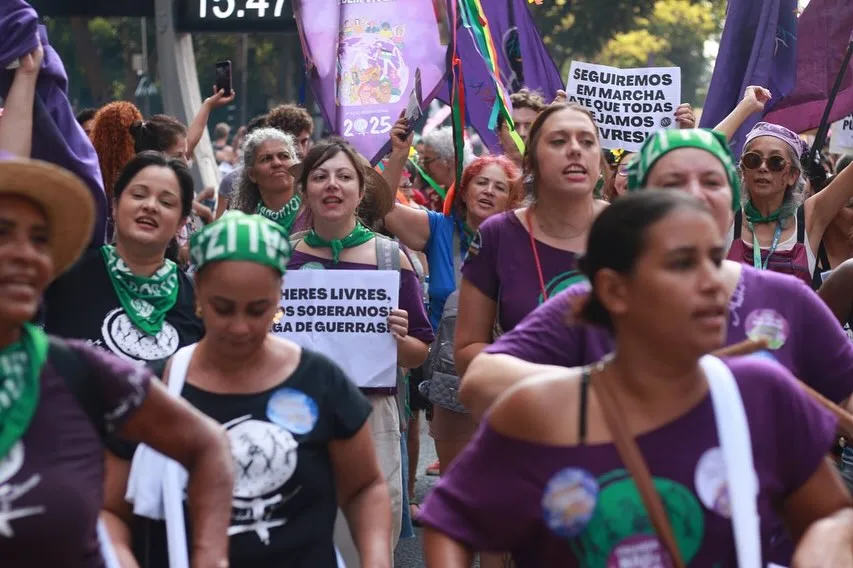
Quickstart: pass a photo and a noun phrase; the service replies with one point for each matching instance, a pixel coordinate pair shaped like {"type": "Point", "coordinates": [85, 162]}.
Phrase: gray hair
{"type": "Point", "coordinates": [795, 194]}
{"type": "Point", "coordinates": [441, 140]}
{"type": "Point", "coordinates": [247, 195]}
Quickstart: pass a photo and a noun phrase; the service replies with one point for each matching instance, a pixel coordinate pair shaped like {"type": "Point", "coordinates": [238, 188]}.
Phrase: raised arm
{"type": "Point", "coordinates": [753, 101]}
{"type": "Point", "coordinates": [16, 126]}
{"type": "Point", "coordinates": [823, 206]}
{"type": "Point", "coordinates": [408, 224]}
{"type": "Point", "coordinates": [199, 123]}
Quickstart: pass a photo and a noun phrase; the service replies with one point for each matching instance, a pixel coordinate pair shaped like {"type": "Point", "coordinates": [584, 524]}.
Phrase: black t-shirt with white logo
{"type": "Point", "coordinates": [82, 304]}
{"type": "Point", "coordinates": [284, 503]}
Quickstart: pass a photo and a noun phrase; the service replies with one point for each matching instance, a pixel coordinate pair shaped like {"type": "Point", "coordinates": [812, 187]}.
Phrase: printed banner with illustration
{"type": "Point", "coordinates": [628, 104]}
{"type": "Point", "coordinates": [343, 314]}
{"type": "Point", "coordinates": [364, 57]}
{"type": "Point", "coordinates": [842, 136]}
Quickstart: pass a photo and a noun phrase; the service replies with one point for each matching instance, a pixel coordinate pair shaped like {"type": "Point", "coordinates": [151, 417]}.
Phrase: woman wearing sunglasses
{"type": "Point", "coordinates": [565, 498]}
{"type": "Point", "coordinates": [778, 228]}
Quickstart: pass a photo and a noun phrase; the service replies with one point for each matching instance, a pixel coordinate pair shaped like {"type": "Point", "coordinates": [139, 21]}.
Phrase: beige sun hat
{"type": "Point", "coordinates": [65, 200]}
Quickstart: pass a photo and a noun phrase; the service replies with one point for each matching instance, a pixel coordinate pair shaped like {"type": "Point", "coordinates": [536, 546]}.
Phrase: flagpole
{"type": "Point", "coordinates": [823, 129]}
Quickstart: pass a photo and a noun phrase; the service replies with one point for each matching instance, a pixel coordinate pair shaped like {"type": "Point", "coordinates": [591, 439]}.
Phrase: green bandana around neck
{"type": "Point", "coordinates": [20, 368]}
{"type": "Point", "coordinates": [242, 237]}
{"type": "Point", "coordinates": [359, 235]}
{"type": "Point", "coordinates": [662, 142]}
{"type": "Point", "coordinates": [145, 299]}
{"type": "Point", "coordinates": [286, 216]}
{"type": "Point", "coordinates": [753, 215]}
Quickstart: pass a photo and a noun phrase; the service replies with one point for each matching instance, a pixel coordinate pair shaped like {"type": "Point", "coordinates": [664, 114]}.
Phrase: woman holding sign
{"type": "Point", "coordinates": [705, 451]}
{"type": "Point", "coordinates": [336, 182]}
{"type": "Point", "coordinates": [297, 425]}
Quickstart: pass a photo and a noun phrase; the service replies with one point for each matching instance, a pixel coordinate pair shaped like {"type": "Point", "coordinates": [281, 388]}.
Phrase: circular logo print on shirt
{"type": "Point", "coordinates": [312, 266]}
{"type": "Point", "coordinates": [11, 463]}
{"type": "Point", "coordinates": [293, 410]}
{"type": "Point", "coordinates": [767, 325]}
{"type": "Point", "coordinates": [569, 501]}
{"type": "Point", "coordinates": [128, 342]}
{"type": "Point", "coordinates": [264, 456]}
{"type": "Point", "coordinates": [560, 282]}
{"type": "Point", "coordinates": [620, 532]}
{"type": "Point", "coordinates": [638, 550]}
{"type": "Point", "coordinates": [711, 485]}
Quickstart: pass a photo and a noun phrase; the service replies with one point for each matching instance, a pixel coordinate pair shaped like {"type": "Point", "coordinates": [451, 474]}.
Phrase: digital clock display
{"type": "Point", "coordinates": [235, 16]}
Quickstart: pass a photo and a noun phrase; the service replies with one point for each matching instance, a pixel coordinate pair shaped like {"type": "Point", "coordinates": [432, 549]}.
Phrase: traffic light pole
{"type": "Point", "coordinates": [179, 87]}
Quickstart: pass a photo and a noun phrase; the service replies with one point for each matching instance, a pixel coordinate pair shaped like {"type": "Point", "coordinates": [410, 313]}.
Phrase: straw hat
{"type": "Point", "coordinates": [378, 198]}
{"type": "Point", "coordinates": [63, 197]}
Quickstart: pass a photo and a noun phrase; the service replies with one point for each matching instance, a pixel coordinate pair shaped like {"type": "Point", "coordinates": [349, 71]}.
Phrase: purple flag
{"type": "Point", "coordinates": [523, 58]}
{"type": "Point", "coordinates": [363, 59]}
{"type": "Point", "coordinates": [758, 47]}
{"type": "Point", "coordinates": [825, 29]}
{"type": "Point", "coordinates": [57, 137]}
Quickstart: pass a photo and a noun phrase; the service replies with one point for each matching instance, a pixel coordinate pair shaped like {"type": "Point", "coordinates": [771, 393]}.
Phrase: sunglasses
{"type": "Point", "coordinates": [753, 161]}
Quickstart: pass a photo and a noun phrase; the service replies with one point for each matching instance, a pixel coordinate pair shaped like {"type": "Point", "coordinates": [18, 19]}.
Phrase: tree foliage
{"type": "Point", "coordinates": [674, 34]}
{"type": "Point", "coordinates": [578, 29]}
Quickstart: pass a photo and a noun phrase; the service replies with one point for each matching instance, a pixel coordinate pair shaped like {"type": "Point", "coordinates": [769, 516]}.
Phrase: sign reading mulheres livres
{"type": "Point", "coordinates": [343, 314]}
{"type": "Point", "coordinates": [628, 104]}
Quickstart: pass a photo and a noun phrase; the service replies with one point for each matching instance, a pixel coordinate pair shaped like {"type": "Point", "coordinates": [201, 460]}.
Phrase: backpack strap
{"type": "Point", "coordinates": [74, 369]}
{"type": "Point", "coordinates": [738, 223]}
{"type": "Point", "coordinates": [296, 238]}
{"type": "Point", "coordinates": [801, 224]}
{"type": "Point", "coordinates": [456, 253]}
{"type": "Point", "coordinates": [387, 254]}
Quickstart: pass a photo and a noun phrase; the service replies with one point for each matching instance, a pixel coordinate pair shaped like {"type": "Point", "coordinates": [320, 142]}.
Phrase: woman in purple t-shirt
{"type": "Point", "coordinates": [61, 401]}
{"type": "Point", "coordinates": [550, 485]}
{"type": "Point", "coordinates": [801, 332]}
{"type": "Point", "coordinates": [335, 182]}
{"type": "Point", "coordinates": [520, 258]}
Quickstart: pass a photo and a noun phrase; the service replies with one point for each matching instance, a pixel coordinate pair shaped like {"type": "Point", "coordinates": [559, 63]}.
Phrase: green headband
{"type": "Point", "coordinates": [664, 141]}
{"type": "Point", "coordinates": [238, 236]}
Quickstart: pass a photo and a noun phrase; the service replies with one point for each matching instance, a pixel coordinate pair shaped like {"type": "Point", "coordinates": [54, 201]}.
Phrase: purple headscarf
{"type": "Point", "coordinates": [797, 144]}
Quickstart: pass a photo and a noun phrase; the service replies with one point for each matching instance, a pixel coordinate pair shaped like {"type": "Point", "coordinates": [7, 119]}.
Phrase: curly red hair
{"type": "Point", "coordinates": [113, 141]}
{"type": "Point", "coordinates": [455, 199]}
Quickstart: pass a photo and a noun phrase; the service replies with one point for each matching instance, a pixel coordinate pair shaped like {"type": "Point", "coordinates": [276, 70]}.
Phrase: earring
{"type": "Point", "coordinates": [198, 312]}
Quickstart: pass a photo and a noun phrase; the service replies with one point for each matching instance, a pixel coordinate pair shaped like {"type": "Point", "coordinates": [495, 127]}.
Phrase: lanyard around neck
{"type": "Point", "coordinates": [536, 255]}
{"type": "Point", "coordinates": [756, 246]}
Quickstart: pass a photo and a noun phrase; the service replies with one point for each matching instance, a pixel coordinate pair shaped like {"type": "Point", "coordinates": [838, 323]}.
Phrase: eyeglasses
{"type": "Point", "coordinates": [622, 170]}
{"type": "Point", "coordinates": [753, 161]}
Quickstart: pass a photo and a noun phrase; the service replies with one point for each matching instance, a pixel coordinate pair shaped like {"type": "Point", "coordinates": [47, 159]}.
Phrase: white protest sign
{"type": "Point", "coordinates": [842, 136]}
{"type": "Point", "coordinates": [343, 314]}
{"type": "Point", "coordinates": [628, 104]}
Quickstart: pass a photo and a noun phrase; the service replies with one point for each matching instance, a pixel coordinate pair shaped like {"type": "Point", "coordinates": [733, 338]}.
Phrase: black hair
{"type": "Point", "coordinates": [617, 239]}
{"type": "Point", "coordinates": [151, 158]}
{"type": "Point", "coordinates": [86, 115]}
{"type": "Point", "coordinates": [159, 133]}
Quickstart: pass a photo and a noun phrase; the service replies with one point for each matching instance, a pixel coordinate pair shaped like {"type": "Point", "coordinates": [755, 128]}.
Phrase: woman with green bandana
{"type": "Point", "coordinates": [127, 298]}
{"type": "Point", "coordinates": [337, 183]}
{"type": "Point", "coordinates": [264, 185]}
{"type": "Point", "coordinates": [778, 228]}
{"type": "Point", "coordinates": [800, 331]}
{"type": "Point", "coordinates": [297, 425]}
{"type": "Point", "coordinates": [61, 401]}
